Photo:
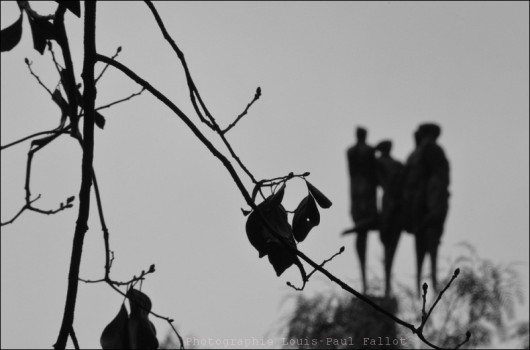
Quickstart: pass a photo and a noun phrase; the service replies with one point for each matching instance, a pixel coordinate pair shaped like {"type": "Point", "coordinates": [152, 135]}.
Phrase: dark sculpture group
{"type": "Point", "coordinates": [415, 198]}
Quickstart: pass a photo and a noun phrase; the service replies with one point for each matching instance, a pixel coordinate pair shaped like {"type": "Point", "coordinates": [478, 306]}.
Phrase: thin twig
{"type": "Point", "coordinates": [29, 63]}
{"type": "Point", "coordinates": [24, 207]}
{"type": "Point", "coordinates": [74, 338]}
{"type": "Point", "coordinates": [54, 131]}
{"type": "Point", "coordinates": [58, 67]}
{"type": "Point", "coordinates": [118, 50]}
{"type": "Point", "coordinates": [468, 336]}
{"type": "Point", "coordinates": [341, 250]}
{"type": "Point", "coordinates": [104, 228]}
{"type": "Point", "coordinates": [455, 275]}
{"type": "Point", "coordinates": [122, 100]}
{"type": "Point", "coordinates": [194, 92]}
{"type": "Point", "coordinates": [256, 97]}
{"type": "Point", "coordinates": [133, 280]}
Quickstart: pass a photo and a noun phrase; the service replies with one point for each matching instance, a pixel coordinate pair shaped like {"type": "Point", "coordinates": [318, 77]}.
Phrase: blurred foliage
{"type": "Point", "coordinates": [483, 300]}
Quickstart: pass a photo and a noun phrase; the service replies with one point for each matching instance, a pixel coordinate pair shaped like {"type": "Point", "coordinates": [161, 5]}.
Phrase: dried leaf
{"type": "Point", "coordinates": [322, 200]}
{"type": "Point", "coordinates": [306, 216]}
{"type": "Point", "coordinates": [72, 6]}
{"type": "Point", "coordinates": [257, 231]}
{"type": "Point", "coordinates": [280, 257]}
{"type": "Point", "coordinates": [42, 30]}
{"type": "Point", "coordinates": [43, 141]}
{"type": "Point", "coordinates": [142, 332]}
{"type": "Point", "coordinates": [57, 97]}
{"type": "Point", "coordinates": [115, 335]}
{"type": "Point", "coordinates": [99, 120]}
{"type": "Point", "coordinates": [11, 35]}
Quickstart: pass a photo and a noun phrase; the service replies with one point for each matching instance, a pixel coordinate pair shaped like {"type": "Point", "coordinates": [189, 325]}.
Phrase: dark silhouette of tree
{"type": "Point", "coordinates": [268, 227]}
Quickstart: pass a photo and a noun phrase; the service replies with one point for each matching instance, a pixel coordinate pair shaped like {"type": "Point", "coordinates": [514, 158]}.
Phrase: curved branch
{"type": "Point", "coordinates": [54, 131]}
{"type": "Point", "coordinates": [194, 92]}
{"type": "Point", "coordinates": [183, 117]}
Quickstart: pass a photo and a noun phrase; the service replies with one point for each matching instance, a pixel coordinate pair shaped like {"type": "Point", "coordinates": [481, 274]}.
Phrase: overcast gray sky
{"type": "Point", "coordinates": [324, 68]}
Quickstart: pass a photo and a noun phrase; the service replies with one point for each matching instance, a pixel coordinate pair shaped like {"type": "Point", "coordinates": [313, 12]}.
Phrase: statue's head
{"type": "Point", "coordinates": [361, 133]}
{"type": "Point", "coordinates": [430, 130]}
{"type": "Point", "coordinates": [384, 147]}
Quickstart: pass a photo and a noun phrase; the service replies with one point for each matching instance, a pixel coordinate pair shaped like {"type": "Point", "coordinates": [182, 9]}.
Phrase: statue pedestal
{"type": "Point", "coordinates": [359, 326]}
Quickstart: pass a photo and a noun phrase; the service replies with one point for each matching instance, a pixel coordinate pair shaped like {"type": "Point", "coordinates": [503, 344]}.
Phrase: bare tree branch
{"type": "Point", "coordinates": [120, 101]}
{"type": "Point", "coordinates": [256, 97]}
{"type": "Point", "coordinates": [107, 66]}
{"type": "Point", "coordinates": [89, 97]}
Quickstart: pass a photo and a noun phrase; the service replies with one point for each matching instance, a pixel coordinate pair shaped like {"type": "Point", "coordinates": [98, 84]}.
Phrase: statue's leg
{"type": "Point", "coordinates": [390, 251]}
{"type": "Point", "coordinates": [388, 268]}
{"type": "Point", "coordinates": [421, 250]}
{"type": "Point", "coordinates": [433, 243]}
{"type": "Point", "coordinates": [361, 253]}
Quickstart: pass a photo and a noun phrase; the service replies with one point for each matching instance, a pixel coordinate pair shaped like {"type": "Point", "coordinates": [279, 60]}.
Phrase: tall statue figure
{"type": "Point", "coordinates": [389, 177]}
{"type": "Point", "coordinates": [363, 192]}
{"type": "Point", "coordinates": [425, 197]}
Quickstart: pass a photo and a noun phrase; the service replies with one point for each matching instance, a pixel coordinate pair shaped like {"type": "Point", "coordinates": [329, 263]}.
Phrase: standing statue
{"type": "Point", "coordinates": [363, 192]}
{"type": "Point", "coordinates": [389, 177]}
{"type": "Point", "coordinates": [425, 196]}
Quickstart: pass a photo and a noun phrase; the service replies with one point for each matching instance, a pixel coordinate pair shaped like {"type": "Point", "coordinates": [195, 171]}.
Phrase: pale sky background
{"type": "Point", "coordinates": [324, 68]}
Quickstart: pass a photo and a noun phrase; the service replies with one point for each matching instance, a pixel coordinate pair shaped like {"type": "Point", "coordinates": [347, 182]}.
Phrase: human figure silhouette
{"type": "Point", "coordinates": [389, 176]}
{"type": "Point", "coordinates": [426, 197]}
{"type": "Point", "coordinates": [363, 192]}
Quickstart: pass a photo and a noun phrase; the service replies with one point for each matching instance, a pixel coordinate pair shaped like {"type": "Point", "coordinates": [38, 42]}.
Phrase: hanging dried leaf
{"type": "Point", "coordinates": [99, 120]}
{"type": "Point", "coordinates": [72, 6]}
{"type": "Point", "coordinates": [43, 141]}
{"type": "Point", "coordinates": [11, 35]}
{"type": "Point", "coordinates": [266, 242]}
{"type": "Point", "coordinates": [115, 335]}
{"type": "Point", "coordinates": [280, 257]}
{"type": "Point", "coordinates": [306, 216]}
{"type": "Point", "coordinates": [322, 200]}
{"type": "Point", "coordinates": [42, 30]}
{"type": "Point", "coordinates": [58, 98]}
{"type": "Point", "coordinates": [257, 232]}
{"type": "Point", "coordinates": [142, 332]}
